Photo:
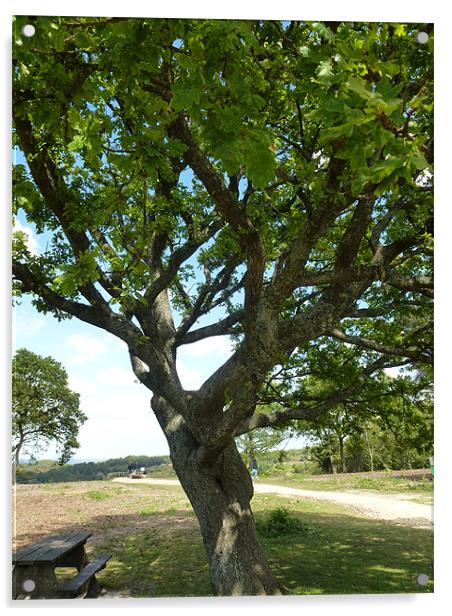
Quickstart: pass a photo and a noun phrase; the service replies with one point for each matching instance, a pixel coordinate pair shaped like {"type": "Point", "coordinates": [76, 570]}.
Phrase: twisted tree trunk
{"type": "Point", "coordinates": [220, 494]}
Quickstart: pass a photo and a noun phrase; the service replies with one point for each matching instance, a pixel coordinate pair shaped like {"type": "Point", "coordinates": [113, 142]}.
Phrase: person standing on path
{"type": "Point", "coordinates": [254, 469]}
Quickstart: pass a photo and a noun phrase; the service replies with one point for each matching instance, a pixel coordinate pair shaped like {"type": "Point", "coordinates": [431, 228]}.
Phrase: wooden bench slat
{"type": "Point", "coordinates": [74, 584]}
{"type": "Point", "coordinates": [50, 549]}
{"type": "Point", "coordinates": [38, 545]}
{"type": "Point", "coordinates": [59, 551]}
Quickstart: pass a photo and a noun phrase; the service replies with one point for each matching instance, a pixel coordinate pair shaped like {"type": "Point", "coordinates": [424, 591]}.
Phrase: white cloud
{"type": "Point", "coordinates": [29, 326]}
{"type": "Point", "coordinates": [119, 425]}
{"type": "Point", "coordinates": [115, 376]}
{"type": "Point", "coordinates": [393, 372]}
{"type": "Point", "coordinates": [197, 361]}
{"type": "Point", "coordinates": [84, 347]}
{"type": "Point", "coordinates": [84, 387]}
{"type": "Point", "coordinates": [189, 377]}
{"type": "Point", "coordinates": [30, 240]}
{"type": "Point", "coordinates": [219, 346]}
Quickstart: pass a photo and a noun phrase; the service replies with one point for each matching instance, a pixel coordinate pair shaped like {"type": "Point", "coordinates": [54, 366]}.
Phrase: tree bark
{"type": "Point", "coordinates": [342, 454]}
{"type": "Point", "coordinates": [333, 464]}
{"type": "Point", "coordinates": [220, 495]}
{"type": "Point", "coordinates": [371, 457]}
{"type": "Point", "coordinates": [16, 456]}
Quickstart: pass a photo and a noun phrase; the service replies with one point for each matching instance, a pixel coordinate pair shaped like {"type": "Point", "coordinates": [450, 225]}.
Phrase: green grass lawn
{"type": "Point", "coordinates": [420, 488]}
{"type": "Point", "coordinates": [342, 553]}
{"type": "Point", "coordinates": [336, 551]}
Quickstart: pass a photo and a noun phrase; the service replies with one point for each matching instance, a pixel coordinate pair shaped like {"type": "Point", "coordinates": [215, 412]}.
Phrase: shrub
{"type": "Point", "coordinates": [298, 468]}
{"type": "Point", "coordinates": [278, 522]}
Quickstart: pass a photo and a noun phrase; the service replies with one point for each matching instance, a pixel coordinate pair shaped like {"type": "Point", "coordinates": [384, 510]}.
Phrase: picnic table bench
{"type": "Point", "coordinates": [34, 568]}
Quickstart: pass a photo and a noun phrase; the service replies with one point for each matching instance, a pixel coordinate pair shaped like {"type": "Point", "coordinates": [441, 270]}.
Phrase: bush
{"type": "Point", "coordinates": [298, 468]}
{"type": "Point", "coordinates": [278, 522]}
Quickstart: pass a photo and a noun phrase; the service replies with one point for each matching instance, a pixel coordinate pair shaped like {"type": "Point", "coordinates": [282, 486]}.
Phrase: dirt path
{"type": "Point", "coordinates": [394, 507]}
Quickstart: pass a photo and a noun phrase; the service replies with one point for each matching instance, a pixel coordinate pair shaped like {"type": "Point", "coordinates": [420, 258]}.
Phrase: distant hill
{"type": "Point", "coordinates": [49, 471]}
{"type": "Point", "coordinates": [85, 460]}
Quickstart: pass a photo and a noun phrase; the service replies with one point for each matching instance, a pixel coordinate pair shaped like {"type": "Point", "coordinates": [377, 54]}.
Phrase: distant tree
{"type": "Point", "coordinates": [330, 432]}
{"type": "Point", "coordinates": [386, 424]}
{"type": "Point", "coordinates": [253, 444]}
{"type": "Point", "coordinates": [44, 408]}
{"type": "Point", "coordinates": [404, 416]}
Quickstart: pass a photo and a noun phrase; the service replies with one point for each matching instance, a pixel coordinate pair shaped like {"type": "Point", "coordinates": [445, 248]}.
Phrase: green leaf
{"type": "Point", "coordinates": [184, 97]}
{"type": "Point", "coordinates": [259, 160]}
{"type": "Point", "coordinates": [323, 30]}
{"type": "Point", "coordinates": [325, 70]}
{"type": "Point", "coordinates": [400, 30]}
{"type": "Point", "coordinates": [76, 145]}
{"type": "Point", "coordinates": [358, 184]}
{"type": "Point", "coordinates": [387, 90]}
{"type": "Point", "coordinates": [384, 168]}
{"type": "Point", "coordinates": [419, 161]}
{"type": "Point", "coordinates": [66, 284]}
{"type": "Point", "coordinates": [358, 85]}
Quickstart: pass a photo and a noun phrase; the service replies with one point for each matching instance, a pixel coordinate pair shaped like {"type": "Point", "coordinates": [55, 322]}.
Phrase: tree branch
{"type": "Point", "coordinates": [94, 314]}
{"type": "Point", "coordinates": [205, 300]}
{"type": "Point", "coordinates": [176, 259]}
{"type": "Point", "coordinates": [278, 418]}
{"type": "Point", "coordinates": [57, 196]}
{"type": "Point", "coordinates": [420, 284]}
{"type": "Point", "coordinates": [365, 343]}
{"type": "Point", "coordinates": [220, 328]}
{"type": "Point", "coordinates": [230, 210]}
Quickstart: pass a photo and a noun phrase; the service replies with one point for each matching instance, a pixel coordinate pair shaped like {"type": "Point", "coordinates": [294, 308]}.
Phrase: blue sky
{"type": "Point", "coordinates": [120, 421]}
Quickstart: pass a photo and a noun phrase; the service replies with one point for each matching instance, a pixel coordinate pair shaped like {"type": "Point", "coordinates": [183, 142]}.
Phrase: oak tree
{"type": "Point", "coordinates": [45, 409]}
{"type": "Point", "coordinates": [271, 181]}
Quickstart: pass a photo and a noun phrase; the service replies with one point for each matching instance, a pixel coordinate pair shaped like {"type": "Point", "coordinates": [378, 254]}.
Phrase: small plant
{"type": "Point", "coordinates": [278, 522]}
{"type": "Point", "coordinates": [97, 495]}
{"type": "Point", "coordinates": [149, 511]}
{"type": "Point", "coordinates": [298, 468]}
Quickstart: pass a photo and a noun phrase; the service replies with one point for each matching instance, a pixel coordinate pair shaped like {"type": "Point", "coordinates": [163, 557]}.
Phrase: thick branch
{"type": "Point", "coordinates": [351, 241]}
{"type": "Point", "coordinates": [278, 418]}
{"type": "Point", "coordinates": [140, 370]}
{"type": "Point", "coordinates": [220, 328]}
{"type": "Point", "coordinates": [94, 314]}
{"type": "Point", "coordinates": [366, 343]}
{"type": "Point", "coordinates": [420, 284]}
{"type": "Point", "coordinates": [230, 210]}
{"type": "Point", "coordinates": [291, 275]}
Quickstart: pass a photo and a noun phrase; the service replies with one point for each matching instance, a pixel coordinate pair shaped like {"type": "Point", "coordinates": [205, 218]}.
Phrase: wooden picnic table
{"type": "Point", "coordinates": [34, 568]}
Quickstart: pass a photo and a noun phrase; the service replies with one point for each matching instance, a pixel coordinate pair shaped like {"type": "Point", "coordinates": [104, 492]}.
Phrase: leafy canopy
{"type": "Point", "coordinates": [275, 177]}
{"type": "Point", "coordinates": [45, 409]}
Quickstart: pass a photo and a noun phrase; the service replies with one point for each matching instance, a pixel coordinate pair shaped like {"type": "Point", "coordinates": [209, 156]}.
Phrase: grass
{"type": "Point", "coordinates": [279, 523]}
{"type": "Point", "coordinates": [314, 547]}
{"type": "Point", "coordinates": [158, 563]}
{"type": "Point", "coordinates": [323, 548]}
{"type": "Point", "coordinates": [107, 491]}
{"type": "Point", "coordinates": [98, 495]}
{"type": "Point", "coordinates": [381, 484]}
{"type": "Point", "coordinates": [344, 553]}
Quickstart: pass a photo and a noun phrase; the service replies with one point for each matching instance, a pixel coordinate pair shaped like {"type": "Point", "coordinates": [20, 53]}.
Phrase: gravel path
{"type": "Point", "coordinates": [395, 507]}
